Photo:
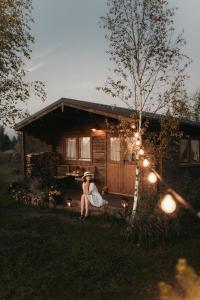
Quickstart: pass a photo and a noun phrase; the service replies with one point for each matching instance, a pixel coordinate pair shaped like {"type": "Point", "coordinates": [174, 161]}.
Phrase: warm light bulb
{"type": "Point", "coordinates": [138, 143]}
{"type": "Point", "coordinates": [141, 152]}
{"type": "Point", "coordinates": [168, 204]}
{"type": "Point", "coordinates": [133, 126]}
{"type": "Point", "coordinates": [137, 134]}
{"type": "Point", "coordinates": [146, 163]}
{"type": "Point", "coordinates": [152, 178]}
{"type": "Point", "coordinates": [94, 129]}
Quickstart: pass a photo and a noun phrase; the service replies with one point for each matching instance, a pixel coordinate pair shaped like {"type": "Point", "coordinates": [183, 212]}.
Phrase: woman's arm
{"type": "Point", "coordinates": [91, 188]}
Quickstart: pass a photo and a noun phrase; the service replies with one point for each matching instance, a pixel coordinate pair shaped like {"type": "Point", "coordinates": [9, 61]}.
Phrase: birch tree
{"type": "Point", "coordinates": [148, 63]}
{"type": "Point", "coordinates": [15, 51]}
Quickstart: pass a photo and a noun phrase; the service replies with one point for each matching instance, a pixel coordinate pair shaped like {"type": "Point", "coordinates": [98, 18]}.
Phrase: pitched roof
{"type": "Point", "coordinates": [115, 112]}
{"type": "Point", "coordinates": [102, 109]}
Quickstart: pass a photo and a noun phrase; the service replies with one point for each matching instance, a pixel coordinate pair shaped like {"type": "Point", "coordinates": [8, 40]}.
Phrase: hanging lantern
{"type": "Point", "coordinates": [68, 202]}
{"type": "Point", "coordinates": [168, 204]}
{"type": "Point", "coordinates": [124, 203]}
{"type": "Point", "coordinates": [146, 163]}
{"type": "Point", "coordinates": [152, 178]}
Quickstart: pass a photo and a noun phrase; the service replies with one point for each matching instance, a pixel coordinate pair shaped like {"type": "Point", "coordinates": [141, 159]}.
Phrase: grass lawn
{"type": "Point", "coordinates": [48, 254]}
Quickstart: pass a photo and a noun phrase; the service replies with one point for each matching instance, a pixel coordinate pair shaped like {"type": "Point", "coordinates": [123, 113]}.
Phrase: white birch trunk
{"type": "Point", "coordinates": [137, 170]}
{"type": "Point", "coordinates": [137, 185]}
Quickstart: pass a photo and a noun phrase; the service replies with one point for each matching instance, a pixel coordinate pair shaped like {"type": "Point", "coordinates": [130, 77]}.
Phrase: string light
{"type": "Point", "coordinates": [168, 204]}
{"type": "Point", "coordinates": [137, 134]}
{"type": "Point", "coordinates": [146, 163]}
{"type": "Point", "coordinates": [152, 177]}
{"type": "Point", "coordinates": [141, 152]}
{"type": "Point", "coordinates": [138, 142]}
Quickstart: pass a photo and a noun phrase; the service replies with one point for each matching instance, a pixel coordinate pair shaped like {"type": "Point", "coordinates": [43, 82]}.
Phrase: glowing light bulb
{"type": "Point", "coordinates": [138, 142]}
{"type": "Point", "coordinates": [146, 163]}
{"type": "Point", "coordinates": [152, 178]}
{"type": "Point", "coordinates": [141, 152]}
{"type": "Point", "coordinates": [133, 126]}
{"type": "Point", "coordinates": [94, 129]}
{"type": "Point", "coordinates": [137, 134]}
{"type": "Point", "coordinates": [168, 204]}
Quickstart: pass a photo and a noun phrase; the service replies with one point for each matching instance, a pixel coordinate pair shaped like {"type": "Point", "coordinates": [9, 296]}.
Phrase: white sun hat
{"type": "Point", "coordinates": [87, 173]}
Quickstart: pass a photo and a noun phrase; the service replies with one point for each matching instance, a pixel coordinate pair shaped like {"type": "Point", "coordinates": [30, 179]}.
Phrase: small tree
{"type": "Point", "coordinates": [15, 41]}
{"type": "Point", "coordinates": [5, 142]}
{"type": "Point", "coordinates": [149, 67]}
{"type": "Point", "coordinates": [196, 106]}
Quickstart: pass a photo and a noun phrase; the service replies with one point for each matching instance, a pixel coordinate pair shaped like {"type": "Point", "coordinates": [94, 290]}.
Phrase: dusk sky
{"type": "Point", "coordinates": [69, 50]}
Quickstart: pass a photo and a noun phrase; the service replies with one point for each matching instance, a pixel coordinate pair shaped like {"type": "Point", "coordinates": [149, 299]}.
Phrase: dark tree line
{"type": "Point", "coordinates": [6, 143]}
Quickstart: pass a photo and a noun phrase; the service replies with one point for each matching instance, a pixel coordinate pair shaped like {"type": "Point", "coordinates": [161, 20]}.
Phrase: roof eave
{"type": "Point", "coordinates": [60, 103]}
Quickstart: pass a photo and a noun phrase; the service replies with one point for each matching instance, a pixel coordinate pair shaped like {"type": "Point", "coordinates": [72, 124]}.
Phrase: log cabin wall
{"type": "Point", "coordinates": [36, 145]}
{"type": "Point", "coordinates": [98, 152]}
{"type": "Point", "coordinates": [38, 155]}
{"type": "Point", "coordinates": [174, 168]}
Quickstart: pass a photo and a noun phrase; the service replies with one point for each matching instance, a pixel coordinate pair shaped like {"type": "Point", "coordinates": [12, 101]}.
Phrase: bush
{"type": "Point", "coordinates": [189, 188]}
{"type": "Point", "coordinates": [151, 227]}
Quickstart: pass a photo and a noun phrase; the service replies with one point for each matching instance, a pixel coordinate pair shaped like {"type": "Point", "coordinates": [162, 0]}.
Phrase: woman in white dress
{"type": "Point", "coordinates": [90, 194]}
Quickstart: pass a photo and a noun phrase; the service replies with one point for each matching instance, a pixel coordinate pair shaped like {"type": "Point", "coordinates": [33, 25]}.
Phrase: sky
{"type": "Point", "coordinates": [69, 53]}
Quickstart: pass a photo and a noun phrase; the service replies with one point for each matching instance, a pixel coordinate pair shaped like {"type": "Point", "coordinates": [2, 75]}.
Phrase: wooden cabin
{"type": "Point", "coordinates": [76, 136]}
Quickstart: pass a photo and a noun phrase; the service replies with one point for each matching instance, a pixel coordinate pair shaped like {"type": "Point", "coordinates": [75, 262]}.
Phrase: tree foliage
{"type": "Point", "coordinates": [15, 50]}
{"type": "Point", "coordinates": [196, 106]}
{"type": "Point", "coordinates": [149, 64]}
{"type": "Point", "coordinates": [149, 69]}
{"type": "Point", "coordinates": [5, 142]}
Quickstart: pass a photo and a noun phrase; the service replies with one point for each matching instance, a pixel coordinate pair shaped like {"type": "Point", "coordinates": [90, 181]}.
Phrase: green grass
{"type": "Point", "coordinates": [48, 254]}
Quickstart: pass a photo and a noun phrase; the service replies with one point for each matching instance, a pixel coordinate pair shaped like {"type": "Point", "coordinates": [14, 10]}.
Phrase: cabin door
{"type": "Point", "coordinates": [120, 170]}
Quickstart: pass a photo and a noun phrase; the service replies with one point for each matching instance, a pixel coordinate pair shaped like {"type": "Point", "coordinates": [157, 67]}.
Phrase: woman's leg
{"type": "Point", "coordinates": [82, 204]}
{"type": "Point", "coordinates": [86, 206]}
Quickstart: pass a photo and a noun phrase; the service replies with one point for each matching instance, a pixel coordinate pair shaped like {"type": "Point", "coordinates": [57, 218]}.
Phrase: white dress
{"type": "Point", "coordinates": [94, 197]}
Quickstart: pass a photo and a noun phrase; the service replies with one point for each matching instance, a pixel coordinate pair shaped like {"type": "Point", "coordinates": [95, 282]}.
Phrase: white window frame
{"type": "Point", "coordinates": [81, 151]}
{"type": "Point", "coordinates": [115, 153]}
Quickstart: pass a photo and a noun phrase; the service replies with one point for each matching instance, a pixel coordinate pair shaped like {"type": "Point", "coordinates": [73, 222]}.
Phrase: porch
{"type": "Point", "coordinates": [117, 204]}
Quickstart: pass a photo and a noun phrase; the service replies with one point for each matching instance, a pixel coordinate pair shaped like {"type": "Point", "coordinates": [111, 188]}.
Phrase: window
{"type": "Point", "coordinates": [194, 150]}
{"type": "Point", "coordinates": [184, 150]}
{"type": "Point", "coordinates": [85, 148]}
{"type": "Point", "coordinates": [190, 151]}
{"type": "Point", "coordinates": [115, 148]}
{"type": "Point", "coordinates": [71, 148]}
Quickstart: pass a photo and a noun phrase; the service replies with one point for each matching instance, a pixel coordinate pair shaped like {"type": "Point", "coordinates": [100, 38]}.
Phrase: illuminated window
{"type": "Point", "coordinates": [85, 148]}
{"type": "Point", "coordinates": [71, 148]}
{"type": "Point", "coordinates": [115, 148]}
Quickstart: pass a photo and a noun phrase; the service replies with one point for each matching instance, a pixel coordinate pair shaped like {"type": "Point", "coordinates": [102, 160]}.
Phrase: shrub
{"type": "Point", "coordinates": [150, 227]}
